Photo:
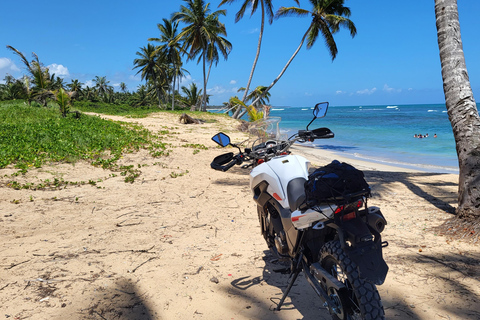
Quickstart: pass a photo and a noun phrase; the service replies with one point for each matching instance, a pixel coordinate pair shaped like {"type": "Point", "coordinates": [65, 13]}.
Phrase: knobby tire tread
{"type": "Point", "coordinates": [366, 292]}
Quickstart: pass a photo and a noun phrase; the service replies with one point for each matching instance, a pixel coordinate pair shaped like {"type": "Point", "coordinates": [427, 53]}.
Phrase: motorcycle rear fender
{"type": "Point", "coordinates": [365, 252]}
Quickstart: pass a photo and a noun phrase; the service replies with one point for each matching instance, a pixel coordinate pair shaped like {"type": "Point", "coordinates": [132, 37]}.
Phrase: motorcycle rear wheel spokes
{"type": "Point", "coordinates": [362, 300]}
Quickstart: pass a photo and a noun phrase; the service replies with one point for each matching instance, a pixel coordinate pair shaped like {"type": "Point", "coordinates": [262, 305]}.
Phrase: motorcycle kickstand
{"type": "Point", "coordinates": [293, 276]}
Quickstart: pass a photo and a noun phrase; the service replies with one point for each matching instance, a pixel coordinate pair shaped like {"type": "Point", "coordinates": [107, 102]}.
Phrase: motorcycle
{"type": "Point", "coordinates": [319, 222]}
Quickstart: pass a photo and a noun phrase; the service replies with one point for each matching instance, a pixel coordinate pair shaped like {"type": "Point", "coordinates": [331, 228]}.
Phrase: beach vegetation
{"type": "Point", "coordinates": [461, 108]}
{"type": "Point", "coordinates": [32, 136]}
{"type": "Point", "coordinates": [253, 113]}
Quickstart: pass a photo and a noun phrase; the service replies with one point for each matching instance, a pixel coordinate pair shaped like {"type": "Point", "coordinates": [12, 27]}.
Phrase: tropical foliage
{"type": "Point", "coordinates": [195, 32]}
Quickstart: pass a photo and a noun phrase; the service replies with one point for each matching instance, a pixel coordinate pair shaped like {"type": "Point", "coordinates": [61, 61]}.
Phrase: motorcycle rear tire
{"type": "Point", "coordinates": [365, 300]}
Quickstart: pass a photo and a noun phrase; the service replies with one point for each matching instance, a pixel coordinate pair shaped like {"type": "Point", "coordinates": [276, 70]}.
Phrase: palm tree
{"type": "Point", "coordinates": [192, 96]}
{"type": "Point", "coordinates": [152, 67]}
{"type": "Point", "coordinates": [123, 87]}
{"type": "Point", "coordinates": [202, 29]}
{"type": "Point", "coordinates": [461, 107]}
{"type": "Point", "coordinates": [171, 48]}
{"type": "Point", "coordinates": [40, 77]}
{"type": "Point", "coordinates": [101, 84]}
{"type": "Point", "coordinates": [327, 18]}
{"type": "Point", "coordinates": [266, 6]}
{"type": "Point", "coordinates": [88, 93]}
{"type": "Point", "coordinates": [75, 87]}
{"type": "Point", "coordinates": [63, 100]}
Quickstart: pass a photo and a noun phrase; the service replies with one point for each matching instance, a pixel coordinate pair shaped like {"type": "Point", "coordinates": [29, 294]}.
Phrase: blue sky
{"type": "Point", "coordinates": [393, 59]}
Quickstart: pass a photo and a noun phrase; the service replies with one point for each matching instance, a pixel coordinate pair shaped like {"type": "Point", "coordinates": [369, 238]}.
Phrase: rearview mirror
{"type": "Point", "coordinates": [320, 110]}
{"type": "Point", "coordinates": [221, 139]}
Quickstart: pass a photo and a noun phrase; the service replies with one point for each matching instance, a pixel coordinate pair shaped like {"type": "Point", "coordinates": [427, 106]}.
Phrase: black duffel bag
{"type": "Point", "coordinates": [337, 181]}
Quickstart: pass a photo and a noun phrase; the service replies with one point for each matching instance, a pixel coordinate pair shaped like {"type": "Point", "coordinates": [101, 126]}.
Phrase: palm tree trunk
{"type": "Point", "coordinates": [461, 107]}
{"type": "Point", "coordinates": [259, 45]}
{"type": "Point", "coordinates": [281, 73]}
{"type": "Point", "coordinates": [204, 100]}
{"type": "Point", "coordinates": [173, 93]}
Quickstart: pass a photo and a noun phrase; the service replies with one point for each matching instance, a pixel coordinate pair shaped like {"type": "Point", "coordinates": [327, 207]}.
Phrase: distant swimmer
{"type": "Point", "coordinates": [434, 135]}
{"type": "Point", "coordinates": [415, 136]}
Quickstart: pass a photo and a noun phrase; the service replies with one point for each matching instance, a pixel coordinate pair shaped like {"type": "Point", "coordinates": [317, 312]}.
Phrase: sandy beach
{"type": "Point", "coordinates": [182, 241]}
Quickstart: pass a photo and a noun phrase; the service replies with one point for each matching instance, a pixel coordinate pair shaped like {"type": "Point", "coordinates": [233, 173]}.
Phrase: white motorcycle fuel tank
{"type": "Point", "coordinates": [278, 172]}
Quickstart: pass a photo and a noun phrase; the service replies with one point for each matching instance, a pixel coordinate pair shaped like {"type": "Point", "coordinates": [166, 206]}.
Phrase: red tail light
{"type": "Point", "coordinates": [351, 206]}
{"type": "Point", "coordinates": [260, 161]}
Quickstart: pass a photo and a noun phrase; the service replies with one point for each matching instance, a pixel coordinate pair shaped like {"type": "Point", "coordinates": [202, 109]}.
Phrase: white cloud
{"type": "Point", "coordinates": [390, 90]}
{"type": "Point", "coordinates": [58, 70]}
{"type": "Point", "coordinates": [216, 90]}
{"type": "Point", "coordinates": [186, 80]}
{"type": "Point", "coordinates": [8, 65]}
{"type": "Point", "coordinates": [367, 91]}
{"type": "Point", "coordinates": [340, 92]}
{"type": "Point", "coordinates": [89, 83]}
{"type": "Point", "coordinates": [308, 94]}
{"type": "Point", "coordinates": [233, 81]}
{"type": "Point", "coordinates": [251, 31]}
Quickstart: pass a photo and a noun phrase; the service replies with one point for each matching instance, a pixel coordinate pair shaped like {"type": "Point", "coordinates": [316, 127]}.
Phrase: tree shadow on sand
{"type": "Point", "coordinates": [121, 301]}
{"type": "Point", "coordinates": [301, 299]}
{"type": "Point", "coordinates": [452, 279]}
{"type": "Point", "coordinates": [436, 192]}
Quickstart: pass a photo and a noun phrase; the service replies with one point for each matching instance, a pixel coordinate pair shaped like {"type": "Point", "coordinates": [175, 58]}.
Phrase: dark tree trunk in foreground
{"type": "Point", "coordinates": [461, 107]}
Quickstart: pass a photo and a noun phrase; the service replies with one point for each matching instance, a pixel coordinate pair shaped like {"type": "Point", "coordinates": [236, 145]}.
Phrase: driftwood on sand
{"type": "Point", "coordinates": [186, 119]}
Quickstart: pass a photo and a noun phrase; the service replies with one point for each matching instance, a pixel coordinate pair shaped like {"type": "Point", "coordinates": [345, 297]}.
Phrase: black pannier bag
{"type": "Point", "coordinates": [337, 181]}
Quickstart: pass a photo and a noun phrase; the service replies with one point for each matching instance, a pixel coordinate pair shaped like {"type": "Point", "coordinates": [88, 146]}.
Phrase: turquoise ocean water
{"type": "Point", "coordinates": [383, 134]}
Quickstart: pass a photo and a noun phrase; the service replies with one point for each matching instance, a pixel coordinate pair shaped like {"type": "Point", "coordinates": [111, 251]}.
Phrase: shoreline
{"type": "Point", "coordinates": [323, 155]}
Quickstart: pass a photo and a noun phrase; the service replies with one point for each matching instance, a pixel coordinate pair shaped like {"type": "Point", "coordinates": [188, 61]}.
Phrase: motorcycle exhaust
{"type": "Point", "coordinates": [375, 219]}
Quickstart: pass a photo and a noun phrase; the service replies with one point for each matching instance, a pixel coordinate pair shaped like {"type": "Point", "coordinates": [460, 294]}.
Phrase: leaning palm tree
{"type": "Point", "coordinates": [461, 108]}
{"type": "Point", "coordinates": [266, 6]}
{"type": "Point", "coordinates": [171, 48]}
{"type": "Point", "coordinates": [152, 67]}
{"type": "Point", "coordinates": [327, 18]}
{"type": "Point", "coordinates": [202, 29]}
{"type": "Point", "coordinates": [40, 75]}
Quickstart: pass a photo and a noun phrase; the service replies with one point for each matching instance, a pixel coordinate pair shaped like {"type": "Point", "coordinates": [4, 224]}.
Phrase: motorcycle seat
{"type": "Point", "coordinates": [296, 193]}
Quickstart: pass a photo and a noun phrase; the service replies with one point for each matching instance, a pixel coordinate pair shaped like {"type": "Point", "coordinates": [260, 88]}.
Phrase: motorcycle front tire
{"type": "Point", "coordinates": [363, 299]}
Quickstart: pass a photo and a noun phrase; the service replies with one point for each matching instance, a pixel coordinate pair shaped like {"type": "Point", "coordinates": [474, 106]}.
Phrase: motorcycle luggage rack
{"type": "Point", "coordinates": [342, 199]}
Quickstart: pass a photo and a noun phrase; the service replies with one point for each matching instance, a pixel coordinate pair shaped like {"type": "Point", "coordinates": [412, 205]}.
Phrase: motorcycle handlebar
{"type": "Point", "coordinates": [229, 158]}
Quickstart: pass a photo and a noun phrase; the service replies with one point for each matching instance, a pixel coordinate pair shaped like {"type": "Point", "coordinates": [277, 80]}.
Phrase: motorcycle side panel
{"type": "Point", "coordinates": [278, 172]}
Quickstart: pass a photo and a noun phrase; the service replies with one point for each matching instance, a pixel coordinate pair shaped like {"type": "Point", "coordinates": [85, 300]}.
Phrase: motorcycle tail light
{"type": "Point", "coordinates": [339, 209]}
{"type": "Point", "coordinates": [351, 206]}
{"type": "Point", "coordinates": [349, 216]}
{"type": "Point", "coordinates": [260, 161]}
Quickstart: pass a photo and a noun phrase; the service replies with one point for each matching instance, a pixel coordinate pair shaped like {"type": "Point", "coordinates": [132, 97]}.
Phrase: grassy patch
{"type": "Point", "coordinates": [33, 136]}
